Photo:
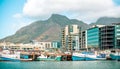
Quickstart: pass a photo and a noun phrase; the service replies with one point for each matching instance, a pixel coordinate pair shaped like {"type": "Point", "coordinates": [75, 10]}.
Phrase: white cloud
{"type": "Point", "coordinates": [86, 10]}
{"type": "Point", "coordinates": [18, 15]}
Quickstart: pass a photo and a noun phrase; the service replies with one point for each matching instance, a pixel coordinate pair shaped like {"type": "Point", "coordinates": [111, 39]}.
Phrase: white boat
{"type": "Point", "coordinates": [78, 56]}
{"type": "Point", "coordinates": [7, 55]}
{"type": "Point", "coordinates": [49, 58]}
{"type": "Point", "coordinates": [115, 55]}
{"type": "Point", "coordinates": [92, 56]}
{"type": "Point", "coordinates": [87, 56]}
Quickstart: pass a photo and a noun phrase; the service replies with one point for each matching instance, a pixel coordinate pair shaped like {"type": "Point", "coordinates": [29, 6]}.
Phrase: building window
{"type": "Point", "coordinates": [48, 45]}
{"type": "Point", "coordinates": [41, 43]}
{"type": "Point", "coordinates": [45, 44]}
{"type": "Point", "coordinates": [71, 28]}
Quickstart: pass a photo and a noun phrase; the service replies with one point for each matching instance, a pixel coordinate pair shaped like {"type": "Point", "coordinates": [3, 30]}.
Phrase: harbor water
{"type": "Point", "coordinates": [61, 65]}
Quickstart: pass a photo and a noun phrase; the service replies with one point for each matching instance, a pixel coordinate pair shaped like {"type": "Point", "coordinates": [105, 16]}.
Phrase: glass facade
{"type": "Point", "coordinates": [70, 28]}
{"type": "Point", "coordinates": [117, 36]}
{"type": "Point", "coordinates": [55, 44]}
{"type": "Point", "coordinates": [93, 37]}
{"type": "Point", "coordinates": [75, 43]}
{"type": "Point", "coordinates": [107, 39]}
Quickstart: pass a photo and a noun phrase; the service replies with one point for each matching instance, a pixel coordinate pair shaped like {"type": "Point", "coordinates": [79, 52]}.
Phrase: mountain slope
{"type": "Point", "coordinates": [48, 30]}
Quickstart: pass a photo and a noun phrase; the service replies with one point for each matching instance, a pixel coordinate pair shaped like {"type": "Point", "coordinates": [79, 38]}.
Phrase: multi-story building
{"type": "Point", "coordinates": [107, 39]}
{"type": "Point", "coordinates": [56, 44]}
{"type": "Point", "coordinates": [43, 45]}
{"type": "Point", "coordinates": [117, 35]}
{"type": "Point", "coordinates": [92, 37]}
{"type": "Point", "coordinates": [29, 46]}
{"type": "Point", "coordinates": [97, 37]}
{"type": "Point", "coordinates": [83, 40]}
{"type": "Point", "coordinates": [101, 37]}
{"type": "Point", "coordinates": [20, 46]}
{"type": "Point", "coordinates": [70, 38]}
{"type": "Point", "coordinates": [63, 40]}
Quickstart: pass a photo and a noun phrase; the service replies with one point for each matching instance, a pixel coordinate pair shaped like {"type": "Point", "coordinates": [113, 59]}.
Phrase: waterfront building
{"type": "Point", "coordinates": [9, 45]}
{"type": "Point", "coordinates": [83, 40]}
{"type": "Point", "coordinates": [29, 46]}
{"type": "Point", "coordinates": [36, 46]}
{"type": "Point", "coordinates": [90, 37]}
{"type": "Point", "coordinates": [117, 35]}
{"type": "Point", "coordinates": [43, 45]}
{"type": "Point", "coordinates": [93, 36]}
{"type": "Point", "coordinates": [26, 47]}
{"type": "Point", "coordinates": [70, 38]}
{"type": "Point", "coordinates": [107, 39]}
{"type": "Point", "coordinates": [63, 40]}
{"type": "Point", "coordinates": [55, 44]}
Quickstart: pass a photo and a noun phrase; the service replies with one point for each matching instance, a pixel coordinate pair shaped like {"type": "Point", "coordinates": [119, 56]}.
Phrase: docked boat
{"type": "Point", "coordinates": [48, 58]}
{"type": "Point", "coordinates": [7, 55]}
{"type": "Point", "coordinates": [78, 57]}
{"type": "Point", "coordinates": [92, 56]}
{"type": "Point", "coordinates": [25, 57]}
{"type": "Point", "coordinates": [115, 55]}
{"type": "Point", "coordinates": [28, 56]}
{"type": "Point", "coordinates": [87, 56]}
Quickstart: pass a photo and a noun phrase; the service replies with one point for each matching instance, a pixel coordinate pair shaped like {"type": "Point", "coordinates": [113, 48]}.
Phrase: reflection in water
{"type": "Point", "coordinates": [61, 65]}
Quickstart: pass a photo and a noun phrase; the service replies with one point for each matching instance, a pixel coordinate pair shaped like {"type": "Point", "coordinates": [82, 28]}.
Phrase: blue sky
{"type": "Point", "coordinates": [117, 2]}
{"type": "Point", "coordinates": [15, 14]}
{"type": "Point", "coordinates": [7, 9]}
{"type": "Point", "coordinates": [7, 21]}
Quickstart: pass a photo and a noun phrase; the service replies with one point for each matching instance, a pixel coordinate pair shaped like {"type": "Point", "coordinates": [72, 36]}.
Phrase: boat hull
{"type": "Point", "coordinates": [8, 59]}
{"type": "Point", "coordinates": [89, 59]}
{"type": "Point", "coordinates": [86, 57]}
{"type": "Point", "coordinates": [77, 58]}
{"type": "Point", "coordinates": [115, 57]}
{"type": "Point", "coordinates": [49, 59]}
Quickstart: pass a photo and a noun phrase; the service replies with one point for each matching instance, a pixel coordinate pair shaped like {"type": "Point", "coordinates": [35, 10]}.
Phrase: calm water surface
{"type": "Point", "coordinates": [61, 65]}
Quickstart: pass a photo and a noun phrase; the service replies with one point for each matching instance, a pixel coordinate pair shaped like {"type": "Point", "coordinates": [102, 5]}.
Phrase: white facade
{"type": "Point", "coordinates": [71, 37]}
{"type": "Point", "coordinates": [74, 28]}
{"type": "Point", "coordinates": [44, 45]}
{"type": "Point", "coordinates": [35, 46]}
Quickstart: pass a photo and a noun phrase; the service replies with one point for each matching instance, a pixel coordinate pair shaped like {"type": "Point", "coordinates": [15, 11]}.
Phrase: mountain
{"type": "Point", "coordinates": [106, 21]}
{"type": "Point", "coordinates": [48, 30]}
